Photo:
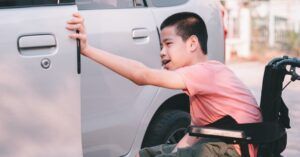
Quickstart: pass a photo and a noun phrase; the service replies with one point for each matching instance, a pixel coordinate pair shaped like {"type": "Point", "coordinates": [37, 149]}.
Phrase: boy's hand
{"type": "Point", "coordinates": [77, 24]}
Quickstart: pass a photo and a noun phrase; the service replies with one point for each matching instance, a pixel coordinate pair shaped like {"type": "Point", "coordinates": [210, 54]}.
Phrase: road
{"type": "Point", "coordinates": [251, 73]}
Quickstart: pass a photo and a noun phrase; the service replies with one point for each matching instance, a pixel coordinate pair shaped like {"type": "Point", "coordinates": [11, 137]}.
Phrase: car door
{"type": "Point", "coordinates": [39, 80]}
{"type": "Point", "coordinates": [112, 106]}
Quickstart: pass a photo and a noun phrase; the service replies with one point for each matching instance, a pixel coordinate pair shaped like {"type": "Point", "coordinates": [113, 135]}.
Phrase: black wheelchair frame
{"type": "Point", "coordinates": [270, 135]}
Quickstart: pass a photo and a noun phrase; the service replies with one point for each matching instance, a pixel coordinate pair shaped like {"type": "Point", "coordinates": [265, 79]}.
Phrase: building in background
{"type": "Point", "coordinates": [262, 27]}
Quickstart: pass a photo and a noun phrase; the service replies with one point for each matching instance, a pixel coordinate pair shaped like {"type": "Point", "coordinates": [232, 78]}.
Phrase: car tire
{"type": "Point", "coordinates": [167, 128]}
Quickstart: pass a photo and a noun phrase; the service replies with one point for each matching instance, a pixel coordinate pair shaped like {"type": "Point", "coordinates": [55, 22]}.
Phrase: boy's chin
{"type": "Point", "coordinates": [165, 68]}
{"type": "Point", "coordinates": [169, 68]}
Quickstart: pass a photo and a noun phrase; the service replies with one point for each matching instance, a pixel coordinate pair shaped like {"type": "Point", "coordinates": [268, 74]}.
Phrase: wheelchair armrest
{"type": "Point", "coordinates": [216, 132]}
{"type": "Point", "coordinates": [231, 136]}
{"type": "Point", "coordinates": [255, 133]}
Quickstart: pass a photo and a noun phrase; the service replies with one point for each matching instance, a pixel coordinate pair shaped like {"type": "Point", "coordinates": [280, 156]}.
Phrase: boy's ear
{"type": "Point", "coordinates": [193, 43]}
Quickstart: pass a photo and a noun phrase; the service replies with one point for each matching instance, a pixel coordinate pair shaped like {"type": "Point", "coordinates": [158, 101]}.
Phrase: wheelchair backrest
{"type": "Point", "coordinates": [272, 105]}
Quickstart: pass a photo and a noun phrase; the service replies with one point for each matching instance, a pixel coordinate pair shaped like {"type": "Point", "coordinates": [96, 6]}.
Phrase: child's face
{"type": "Point", "coordinates": [174, 53]}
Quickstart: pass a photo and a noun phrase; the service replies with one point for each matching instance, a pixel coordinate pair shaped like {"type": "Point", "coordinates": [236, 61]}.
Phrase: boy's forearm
{"type": "Point", "coordinates": [128, 68]}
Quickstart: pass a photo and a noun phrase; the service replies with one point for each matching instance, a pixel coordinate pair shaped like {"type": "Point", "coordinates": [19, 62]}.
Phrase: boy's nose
{"type": "Point", "coordinates": [162, 53]}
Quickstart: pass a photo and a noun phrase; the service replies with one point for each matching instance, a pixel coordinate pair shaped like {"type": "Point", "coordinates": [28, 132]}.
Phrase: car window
{"type": "Point", "coordinates": [108, 4]}
{"type": "Point", "coordinates": [29, 3]}
{"type": "Point", "coordinates": [167, 3]}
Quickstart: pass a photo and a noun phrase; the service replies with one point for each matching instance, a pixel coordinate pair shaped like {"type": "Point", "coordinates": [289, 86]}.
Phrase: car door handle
{"type": "Point", "coordinates": [140, 33]}
{"type": "Point", "coordinates": [36, 41]}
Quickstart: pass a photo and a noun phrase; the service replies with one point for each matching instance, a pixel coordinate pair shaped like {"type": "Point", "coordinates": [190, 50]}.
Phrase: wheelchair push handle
{"type": "Point", "coordinates": [294, 63]}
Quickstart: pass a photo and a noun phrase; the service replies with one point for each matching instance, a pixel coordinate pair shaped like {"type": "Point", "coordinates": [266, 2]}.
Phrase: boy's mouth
{"type": "Point", "coordinates": [165, 61]}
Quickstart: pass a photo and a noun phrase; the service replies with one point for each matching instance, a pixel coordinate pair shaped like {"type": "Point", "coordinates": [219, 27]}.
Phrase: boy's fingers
{"type": "Point", "coordinates": [70, 27]}
{"type": "Point", "coordinates": [78, 36]}
{"type": "Point", "coordinates": [74, 27]}
{"type": "Point", "coordinates": [75, 21]}
{"type": "Point", "coordinates": [76, 14]}
{"type": "Point", "coordinates": [73, 36]}
{"type": "Point", "coordinates": [78, 18]}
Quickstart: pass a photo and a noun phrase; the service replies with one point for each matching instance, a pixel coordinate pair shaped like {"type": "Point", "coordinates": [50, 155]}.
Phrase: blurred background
{"type": "Point", "coordinates": [257, 31]}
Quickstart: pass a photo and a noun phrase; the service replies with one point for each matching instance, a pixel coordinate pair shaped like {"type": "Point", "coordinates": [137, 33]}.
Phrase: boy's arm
{"type": "Point", "coordinates": [136, 71]}
{"type": "Point", "coordinates": [130, 69]}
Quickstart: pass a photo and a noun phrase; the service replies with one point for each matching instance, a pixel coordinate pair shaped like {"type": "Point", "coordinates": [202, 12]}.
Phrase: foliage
{"type": "Point", "coordinates": [293, 42]}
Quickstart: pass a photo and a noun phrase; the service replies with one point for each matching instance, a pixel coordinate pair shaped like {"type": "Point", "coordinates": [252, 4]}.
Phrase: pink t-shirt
{"type": "Point", "coordinates": [214, 92]}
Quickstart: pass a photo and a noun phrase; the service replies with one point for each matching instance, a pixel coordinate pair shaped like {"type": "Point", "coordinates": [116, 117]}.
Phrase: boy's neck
{"type": "Point", "coordinates": [200, 58]}
{"type": "Point", "coordinates": [203, 58]}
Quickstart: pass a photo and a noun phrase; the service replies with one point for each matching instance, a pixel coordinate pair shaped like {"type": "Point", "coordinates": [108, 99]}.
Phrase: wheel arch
{"type": "Point", "coordinates": [176, 102]}
{"type": "Point", "coordinates": [179, 102]}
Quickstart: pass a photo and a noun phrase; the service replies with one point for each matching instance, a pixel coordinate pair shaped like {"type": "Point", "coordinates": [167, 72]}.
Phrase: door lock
{"type": "Point", "coordinates": [45, 63]}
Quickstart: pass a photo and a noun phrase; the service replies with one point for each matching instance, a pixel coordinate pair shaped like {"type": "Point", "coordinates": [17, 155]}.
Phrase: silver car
{"type": "Point", "coordinates": [56, 103]}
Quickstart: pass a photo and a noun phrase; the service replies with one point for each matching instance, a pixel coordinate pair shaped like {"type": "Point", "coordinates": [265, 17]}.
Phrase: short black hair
{"type": "Point", "coordinates": [188, 24]}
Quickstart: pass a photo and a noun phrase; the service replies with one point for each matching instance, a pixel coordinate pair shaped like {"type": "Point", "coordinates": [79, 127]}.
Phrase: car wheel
{"type": "Point", "coordinates": [167, 128]}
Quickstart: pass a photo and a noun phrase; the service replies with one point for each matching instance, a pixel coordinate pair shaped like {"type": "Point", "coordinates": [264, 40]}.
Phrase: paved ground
{"type": "Point", "coordinates": [251, 73]}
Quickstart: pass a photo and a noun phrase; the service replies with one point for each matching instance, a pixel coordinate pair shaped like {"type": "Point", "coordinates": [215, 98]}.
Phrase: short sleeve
{"type": "Point", "coordinates": [197, 78]}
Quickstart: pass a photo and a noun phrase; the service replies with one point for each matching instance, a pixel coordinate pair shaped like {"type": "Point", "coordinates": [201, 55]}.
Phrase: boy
{"type": "Point", "coordinates": [213, 89]}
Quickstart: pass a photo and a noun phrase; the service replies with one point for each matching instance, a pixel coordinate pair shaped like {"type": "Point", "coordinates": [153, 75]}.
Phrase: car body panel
{"type": "Point", "coordinates": [39, 108]}
{"type": "Point", "coordinates": [111, 104]}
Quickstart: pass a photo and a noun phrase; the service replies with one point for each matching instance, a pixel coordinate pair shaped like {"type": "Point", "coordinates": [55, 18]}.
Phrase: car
{"type": "Point", "coordinates": [55, 102]}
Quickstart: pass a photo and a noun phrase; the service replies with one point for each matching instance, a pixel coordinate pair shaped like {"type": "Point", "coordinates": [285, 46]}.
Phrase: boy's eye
{"type": "Point", "coordinates": [168, 43]}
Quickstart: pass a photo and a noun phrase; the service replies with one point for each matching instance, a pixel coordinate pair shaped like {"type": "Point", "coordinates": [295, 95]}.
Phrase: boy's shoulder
{"type": "Point", "coordinates": [206, 70]}
{"type": "Point", "coordinates": [207, 64]}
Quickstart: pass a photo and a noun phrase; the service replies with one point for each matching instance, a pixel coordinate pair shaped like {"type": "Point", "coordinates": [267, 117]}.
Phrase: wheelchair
{"type": "Point", "coordinates": [270, 135]}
